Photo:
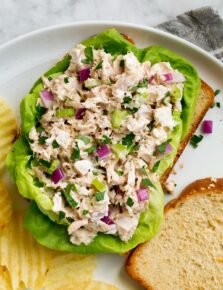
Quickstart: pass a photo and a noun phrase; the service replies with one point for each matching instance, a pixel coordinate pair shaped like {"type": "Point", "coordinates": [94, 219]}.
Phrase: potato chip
{"type": "Point", "coordinates": [8, 130]}
{"type": "Point", "coordinates": [5, 205]}
{"type": "Point", "coordinates": [5, 279]}
{"type": "Point", "coordinates": [69, 269]}
{"type": "Point", "coordinates": [27, 261]}
{"type": "Point", "coordinates": [90, 285]}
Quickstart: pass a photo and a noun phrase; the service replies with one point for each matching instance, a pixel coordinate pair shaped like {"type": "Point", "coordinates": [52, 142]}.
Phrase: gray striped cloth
{"type": "Point", "coordinates": [203, 27]}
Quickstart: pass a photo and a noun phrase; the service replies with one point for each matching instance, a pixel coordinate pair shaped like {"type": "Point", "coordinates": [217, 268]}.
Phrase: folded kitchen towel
{"type": "Point", "coordinates": [203, 27]}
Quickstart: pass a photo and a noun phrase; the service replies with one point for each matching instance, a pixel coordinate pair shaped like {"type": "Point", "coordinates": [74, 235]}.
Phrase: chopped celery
{"type": "Point", "coordinates": [68, 112]}
{"type": "Point", "coordinates": [120, 150]}
{"type": "Point", "coordinates": [91, 83]}
{"type": "Point", "coordinates": [175, 94]}
{"type": "Point", "coordinates": [117, 117]}
{"type": "Point", "coordinates": [98, 184]}
{"type": "Point", "coordinates": [53, 166]}
{"type": "Point", "coordinates": [84, 138]}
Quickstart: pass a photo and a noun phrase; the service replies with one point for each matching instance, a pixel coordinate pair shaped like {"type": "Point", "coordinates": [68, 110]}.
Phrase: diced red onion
{"type": "Point", "coordinates": [80, 113]}
{"type": "Point", "coordinates": [84, 73]}
{"type": "Point", "coordinates": [142, 194]}
{"type": "Point", "coordinates": [103, 151]}
{"type": "Point", "coordinates": [107, 220]}
{"type": "Point", "coordinates": [169, 148]}
{"type": "Point", "coordinates": [47, 98]}
{"type": "Point", "coordinates": [207, 126]}
{"type": "Point", "coordinates": [57, 175]}
{"type": "Point", "coordinates": [151, 79]}
{"type": "Point", "coordinates": [117, 189]}
{"type": "Point", "coordinates": [174, 77]}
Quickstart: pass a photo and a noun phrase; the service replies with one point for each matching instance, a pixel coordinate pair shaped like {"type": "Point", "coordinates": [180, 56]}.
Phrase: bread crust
{"type": "Point", "coordinates": [198, 187]}
{"type": "Point", "coordinates": [208, 92]}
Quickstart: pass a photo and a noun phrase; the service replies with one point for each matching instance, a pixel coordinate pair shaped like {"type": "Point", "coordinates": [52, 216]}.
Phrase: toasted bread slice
{"type": "Point", "coordinates": [204, 101]}
{"type": "Point", "coordinates": [188, 251]}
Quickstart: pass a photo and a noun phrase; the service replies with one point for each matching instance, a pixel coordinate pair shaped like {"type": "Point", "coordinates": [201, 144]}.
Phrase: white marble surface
{"type": "Point", "coordinates": [21, 16]}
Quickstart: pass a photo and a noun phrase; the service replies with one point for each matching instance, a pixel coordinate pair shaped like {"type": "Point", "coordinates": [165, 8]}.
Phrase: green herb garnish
{"type": "Point", "coordinates": [147, 182]}
{"type": "Point", "coordinates": [61, 215]}
{"type": "Point", "coordinates": [151, 125]}
{"type": "Point", "coordinates": [84, 138]}
{"type": "Point", "coordinates": [127, 100]}
{"type": "Point", "coordinates": [217, 92]}
{"type": "Point", "coordinates": [42, 140]}
{"type": "Point", "coordinates": [45, 163]}
{"type": "Point", "coordinates": [162, 147]}
{"type": "Point", "coordinates": [130, 202]}
{"type": "Point", "coordinates": [99, 195]}
{"type": "Point", "coordinates": [106, 140]}
{"type": "Point", "coordinates": [37, 182]}
{"type": "Point", "coordinates": [142, 84]}
{"type": "Point", "coordinates": [119, 172]}
{"type": "Point", "coordinates": [68, 197]}
{"type": "Point", "coordinates": [122, 63]}
{"type": "Point", "coordinates": [89, 55]}
{"type": "Point", "coordinates": [66, 80]}
{"type": "Point", "coordinates": [40, 111]}
{"type": "Point", "coordinates": [218, 105]}
{"type": "Point", "coordinates": [195, 140]}
{"type": "Point", "coordinates": [156, 166]}
{"type": "Point", "coordinates": [91, 149]}
{"type": "Point", "coordinates": [76, 153]}
{"type": "Point", "coordinates": [132, 110]}
{"type": "Point", "coordinates": [85, 212]}
{"type": "Point", "coordinates": [128, 140]}
{"type": "Point", "coordinates": [99, 65]}
{"type": "Point", "coordinates": [55, 144]}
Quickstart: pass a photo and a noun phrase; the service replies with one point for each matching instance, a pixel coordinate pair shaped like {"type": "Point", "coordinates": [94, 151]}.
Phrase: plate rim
{"type": "Point", "coordinates": [98, 23]}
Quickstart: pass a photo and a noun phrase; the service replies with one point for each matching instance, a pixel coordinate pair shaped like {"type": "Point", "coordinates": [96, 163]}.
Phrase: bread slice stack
{"type": "Point", "coordinates": [187, 254]}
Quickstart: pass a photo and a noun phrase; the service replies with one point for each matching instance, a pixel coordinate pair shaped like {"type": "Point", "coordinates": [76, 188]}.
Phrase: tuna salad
{"type": "Point", "coordinates": [102, 129]}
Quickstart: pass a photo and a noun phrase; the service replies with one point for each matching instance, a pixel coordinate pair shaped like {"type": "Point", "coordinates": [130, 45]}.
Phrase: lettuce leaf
{"type": "Point", "coordinates": [54, 236]}
{"type": "Point", "coordinates": [40, 218]}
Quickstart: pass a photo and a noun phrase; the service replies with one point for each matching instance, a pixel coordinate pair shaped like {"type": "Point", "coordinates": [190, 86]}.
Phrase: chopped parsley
{"type": "Point", "coordinates": [42, 140]}
{"type": "Point", "coordinates": [195, 140]}
{"type": "Point", "coordinates": [37, 182]}
{"type": "Point", "coordinates": [128, 140]}
{"type": "Point", "coordinates": [45, 163]}
{"type": "Point", "coordinates": [68, 197]}
{"type": "Point", "coordinates": [106, 140]}
{"type": "Point", "coordinates": [84, 138]}
{"type": "Point", "coordinates": [40, 111]}
{"type": "Point", "coordinates": [91, 149]}
{"type": "Point", "coordinates": [151, 125]}
{"type": "Point", "coordinates": [217, 92]}
{"type": "Point", "coordinates": [85, 212]}
{"type": "Point", "coordinates": [127, 100]}
{"type": "Point", "coordinates": [66, 80]}
{"type": "Point", "coordinates": [119, 172]}
{"type": "Point", "coordinates": [156, 166]}
{"type": "Point", "coordinates": [142, 84]}
{"type": "Point", "coordinates": [76, 153]}
{"type": "Point", "coordinates": [130, 202]}
{"type": "Point", "coordinates": [132, 110]}
{"type": "Point", "coordinates": [39, 128]}
{"type": "Point", "coordinates": [99, 195]}
{"type": "Point", "coordinates": [135, 148]}
{"type": "Point", "coordinates": [61, 215]}
{"type": "Point", "coordinates": [99, 65]}
{"type": "Point", "coordinates": [89, 55]}
{"type": "Point", "coordinates": [55, 144]}
{"type": "Point", "coordinates": [147, 182]}
{"type": "Point", "coordinates": [122, 63]}
{"type": "Point", "coordinates": [50, 78]}
{"type": "Point", "coordinates": [162, 147]}
{"type": "Point", "coordinates": [218, 105]}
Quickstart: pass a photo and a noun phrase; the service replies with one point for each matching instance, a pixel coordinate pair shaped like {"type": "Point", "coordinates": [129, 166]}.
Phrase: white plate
{"type": "Point", "coordinates": [24, 59]}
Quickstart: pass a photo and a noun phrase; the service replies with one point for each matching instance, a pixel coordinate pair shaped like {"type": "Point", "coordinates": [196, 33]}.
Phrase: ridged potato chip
{"type": "Point", "coordinates": [90, 285]}
{"type": "Point", "coordinates": [5, 205]}
{"type": "Point", "coordinates": [8, 130]}
{"type": "Point", "coordinates": [26, 261]}
{"type": "Point", "coordinates": [69, 269]}
{"type": "Point", "coordinates": [5, 279]}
